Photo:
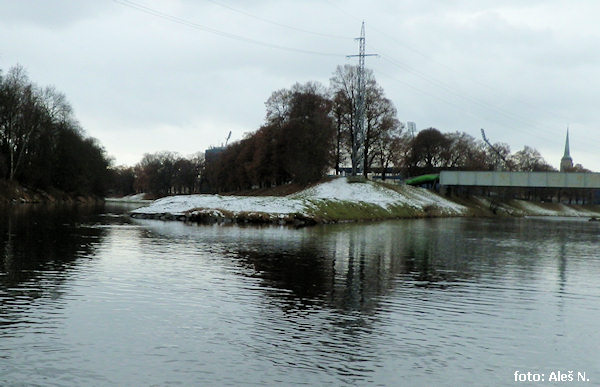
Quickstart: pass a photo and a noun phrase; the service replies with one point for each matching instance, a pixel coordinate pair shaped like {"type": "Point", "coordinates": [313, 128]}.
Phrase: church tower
{"type": "Point", "coordinates": [566, 163]}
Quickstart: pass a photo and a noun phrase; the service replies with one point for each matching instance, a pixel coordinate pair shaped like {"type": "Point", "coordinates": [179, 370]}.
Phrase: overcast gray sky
{"type": "Point", "coordinates": [152, 75]}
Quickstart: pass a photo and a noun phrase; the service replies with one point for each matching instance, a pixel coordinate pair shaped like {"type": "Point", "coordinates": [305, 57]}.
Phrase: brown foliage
{"type": "Point", "coordinates": [293, 146]}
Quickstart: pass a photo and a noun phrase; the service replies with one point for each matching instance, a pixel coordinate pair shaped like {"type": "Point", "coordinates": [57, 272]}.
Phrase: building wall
{"type": "Point", "coordinates": [520, 179]}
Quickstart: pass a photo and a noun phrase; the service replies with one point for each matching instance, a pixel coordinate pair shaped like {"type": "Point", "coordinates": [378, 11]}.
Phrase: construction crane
{"type": "Point", "coordinates": [506, 164]}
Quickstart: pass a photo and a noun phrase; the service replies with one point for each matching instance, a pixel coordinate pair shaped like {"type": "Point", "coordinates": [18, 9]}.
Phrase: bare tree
{"type": "Point", "coordinates": [308, 137]}
{"type": "Point", "coordinates": [341, 112]}
{"type": "Point", "coordinates": [344, 85]}
{"type": "Point", "coordinates": [41, 144]}
{"type": "Point", "coordinates": [388, 145]}
{"type": "Point", "coordinates": [380, 115]}
{"type": "Point", "coordinates": [381, 126]}
{"type": "Point", "coordinates": [428, 150]}
{"type": "Point", "coordinates": [465, 152]}
{"type": "Point", "coordinates": [17, 103]}
{"type": "Point", "coordinates": [530, 160]}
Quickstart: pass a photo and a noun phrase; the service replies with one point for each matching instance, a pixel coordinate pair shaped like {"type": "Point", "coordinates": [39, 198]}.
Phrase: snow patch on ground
{"type": "Point", "coordinates": [371, 193]}
{"type": "Point", "coordinates": [532, 209]}
{"type": "Point", "coordinates": [563, 210]}
{"type": "Point", "coordinates": [178, 205]}
{"type": "Point", "coordinates": [137, 198]}
{"type": "Point", "coordinates": [300, 202]}
{"type": "Point", "coordinates": [420, 198]}
{"type": "Point", "coordinates": [340, 189]}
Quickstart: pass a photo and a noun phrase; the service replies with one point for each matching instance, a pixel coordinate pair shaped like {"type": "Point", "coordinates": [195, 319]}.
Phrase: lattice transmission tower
{"type": "Point", "coordinates": [358, 145]}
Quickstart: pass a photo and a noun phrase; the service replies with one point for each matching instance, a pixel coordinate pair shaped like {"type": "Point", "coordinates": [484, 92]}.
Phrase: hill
{"type": "Point", "coordinates": [337, 200]}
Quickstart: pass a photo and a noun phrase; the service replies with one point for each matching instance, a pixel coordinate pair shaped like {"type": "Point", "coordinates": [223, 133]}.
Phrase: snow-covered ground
{"type": "Point", "coordinates": [301, 202]}
{"type": "Point", "coordinates": [529, 208]}
{"type": "Point", "coordinates": [371, 193]}
{"type": "Point", "coordinates": [178, 205]}
{"type": "Point", "coordinates": [561, 210]}
{"type": "Point", "coordinates": [307, 202]}
{"type": "Point", "coordinates": [137, 198]}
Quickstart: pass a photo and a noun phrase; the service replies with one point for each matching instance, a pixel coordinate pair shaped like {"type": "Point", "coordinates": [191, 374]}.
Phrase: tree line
{"type": "Point", "coordinates": [293, 145]}
{"type": "Point", "coordinates": [309, 131]}
{"type": "Point", "coordinates": [42, 145]}
{"type": "Point", "coordinates": [159, 174]}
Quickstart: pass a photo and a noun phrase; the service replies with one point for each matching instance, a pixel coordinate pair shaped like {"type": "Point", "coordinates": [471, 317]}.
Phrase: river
{"type": "Point", "coordinates": [89, 296]}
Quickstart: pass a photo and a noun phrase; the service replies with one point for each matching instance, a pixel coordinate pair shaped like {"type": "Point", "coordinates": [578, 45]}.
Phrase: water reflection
{"type": "Point", "coordinates": [39, 246]}
{"type": "Point", "coordinates": [351, 266]}
{"type": "Point", "coordinates": [44, 238]}
{"type": "Point", "coordinates": [344, 267]}
{"type": "Point", "coordinates": [88, 298]}
{"type": "Point", "coordinates": [435, 294]}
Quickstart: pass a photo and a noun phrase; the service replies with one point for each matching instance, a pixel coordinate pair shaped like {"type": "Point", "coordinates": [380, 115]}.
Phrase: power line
{"type": "Point", "coordinates": [178, 20]}
{"type": "Point", "coordinates": [535, 128]}
{"type": "Point", "coordinates": [265, 20]}
{"type": "Point", "coordinates": [446, 101]}
{"type": "Point", "coordinates": [442, 85]}
{"type": "Point", "coordinates": [418, 90]}
{"type": "Point", "coordinates": [461, 74]}
{"type": "Point", "coordinates": [543, 132]}
{"type": "Point", "coordinates": [477, 101]}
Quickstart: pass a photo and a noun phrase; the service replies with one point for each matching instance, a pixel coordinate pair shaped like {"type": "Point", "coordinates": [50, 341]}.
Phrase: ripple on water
{"type": "Point", "coordinates": [436, 302]}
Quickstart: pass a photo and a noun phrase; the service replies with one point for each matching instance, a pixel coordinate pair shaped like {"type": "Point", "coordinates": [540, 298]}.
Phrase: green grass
{"type": "Point", "coordinates": [341, 210]}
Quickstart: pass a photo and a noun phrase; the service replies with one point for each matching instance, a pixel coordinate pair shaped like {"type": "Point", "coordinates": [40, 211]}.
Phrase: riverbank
{"type": "Point", "coordinates": [485, 206]}
{"type": "Point", "coordinates": [14, 193]}
{"type": "Point", "coordinates": [130, 199]}
{"type": "Point", "coordinates": [337, 200]}
{"type": "Point", "coordinates": [345, 200]}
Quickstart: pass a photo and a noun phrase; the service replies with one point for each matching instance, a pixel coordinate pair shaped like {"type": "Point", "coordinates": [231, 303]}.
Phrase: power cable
{"type": "Point", "coordinates": [461, 74]}
{"type": "Point", "coordinates": [432, 60]}
{"type": "Point", "coordinates": [446, 101]}
{"type": "Point", "coordinates": [463, 96]}
{"type": "Point", "coordinates": [534, 127]}
{"type": "Point", "coordinates": [178, 20]}
{"type": "Point", "coordinates": [265, 20]}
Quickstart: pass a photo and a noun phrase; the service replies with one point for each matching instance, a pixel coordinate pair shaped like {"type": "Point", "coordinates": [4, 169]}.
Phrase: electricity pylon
{"type": "Point", "coordinates": [359, 109]}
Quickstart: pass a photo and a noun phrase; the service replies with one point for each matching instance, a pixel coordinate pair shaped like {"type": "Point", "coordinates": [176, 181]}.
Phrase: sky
{"type": "Point", "coordinates": [154, 75]}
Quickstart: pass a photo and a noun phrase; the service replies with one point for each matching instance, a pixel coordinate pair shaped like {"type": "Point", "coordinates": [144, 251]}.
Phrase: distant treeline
{"type": "Point", "coordinates": [160, 174]}
{"type": "Point", "coordinates": [309, 131]}
{"type": "Point", "coordinates": [294, 145]}
{"type": "Point", "coordinates": [42, 145]}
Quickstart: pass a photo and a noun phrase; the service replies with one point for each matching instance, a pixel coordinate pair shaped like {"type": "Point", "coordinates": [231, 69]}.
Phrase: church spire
{"type": "Point", "coordinates": [567, 152]}
{"type": "Point", "coordinates": [566, 163]}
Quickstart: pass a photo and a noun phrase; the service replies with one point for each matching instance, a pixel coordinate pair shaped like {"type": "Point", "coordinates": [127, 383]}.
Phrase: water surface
{"type": "Point", "coordinates": [92, 297]}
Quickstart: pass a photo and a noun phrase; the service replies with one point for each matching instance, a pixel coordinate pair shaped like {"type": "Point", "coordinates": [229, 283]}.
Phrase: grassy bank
{"type": "Point", "coordinates": [334, 200]}
{"type": "Point", "coordinates": [345, 200]}
{"type": "Point", "coordinates": [331, 211]}
{"type": "Point", "coordinates": [13, 193]}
